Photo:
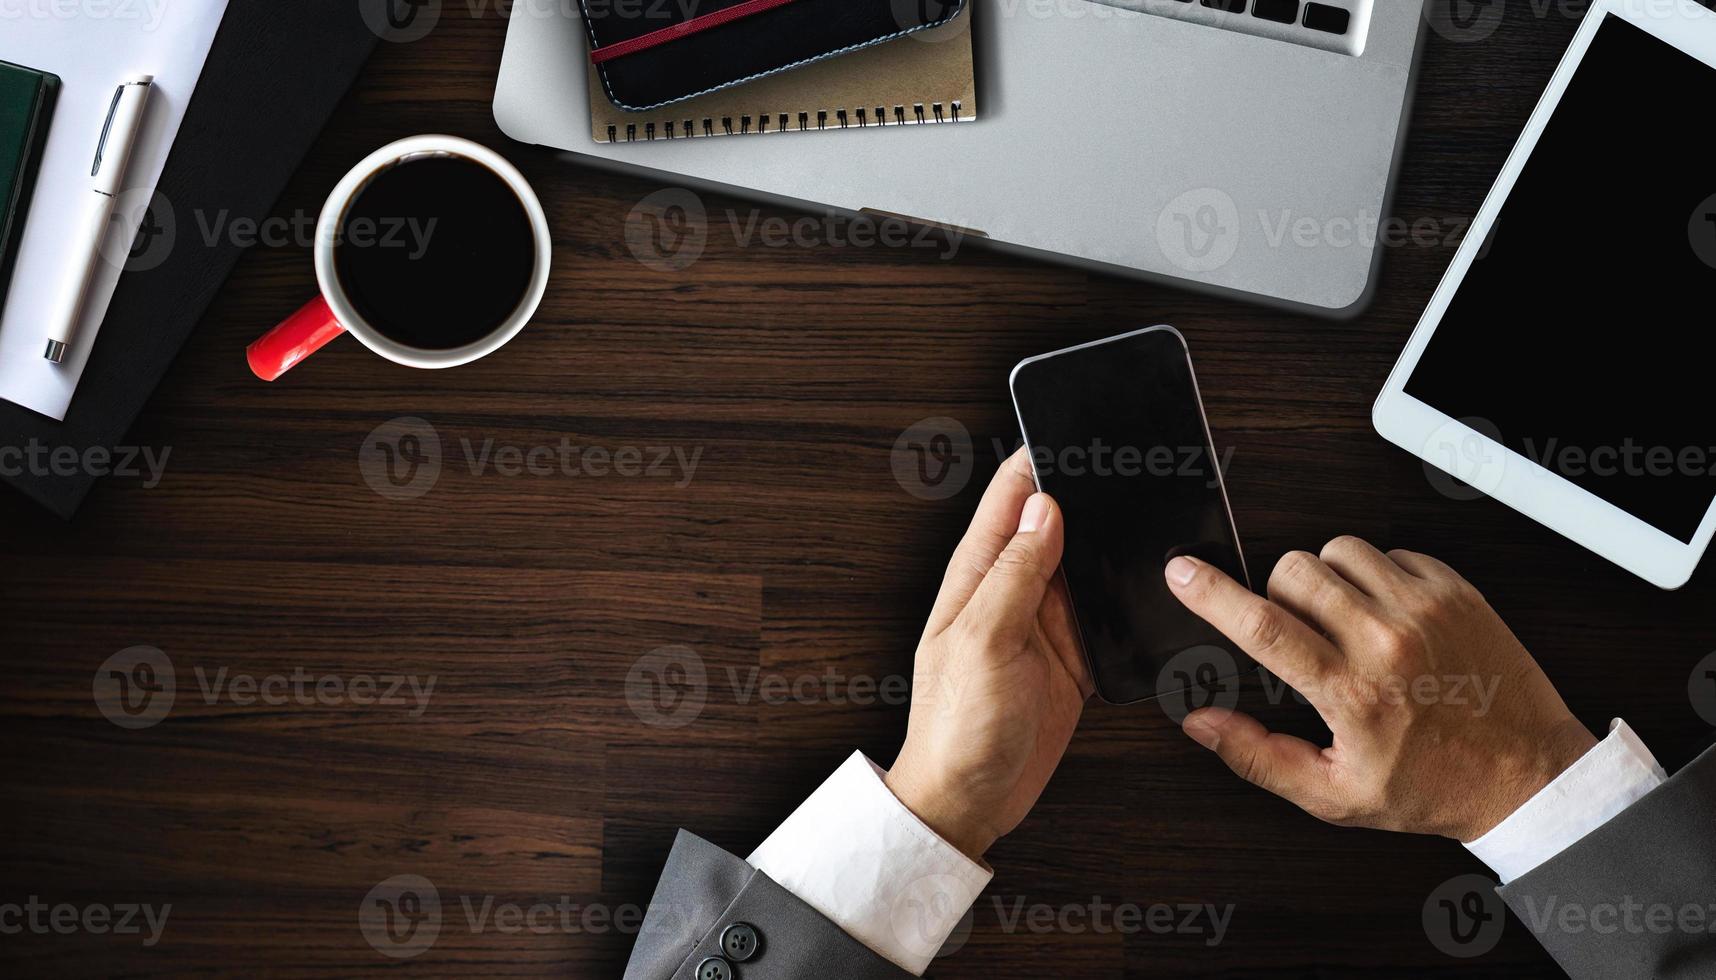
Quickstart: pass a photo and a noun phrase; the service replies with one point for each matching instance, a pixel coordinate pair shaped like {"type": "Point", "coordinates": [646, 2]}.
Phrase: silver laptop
{"type": "Point", "coordinates": [1242, 147]}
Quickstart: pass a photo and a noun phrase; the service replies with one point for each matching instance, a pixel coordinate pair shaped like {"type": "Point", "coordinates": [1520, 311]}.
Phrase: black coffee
{"type": "Point", "coordinates": [435, 253]}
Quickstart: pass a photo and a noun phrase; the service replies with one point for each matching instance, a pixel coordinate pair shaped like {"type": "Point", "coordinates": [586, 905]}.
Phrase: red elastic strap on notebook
{"type": "Point", "coordinates": [695, 25]}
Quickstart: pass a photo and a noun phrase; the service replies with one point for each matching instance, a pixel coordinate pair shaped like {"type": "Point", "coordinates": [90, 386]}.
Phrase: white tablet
{"type": "Point", "coordinates": [1564, 365]}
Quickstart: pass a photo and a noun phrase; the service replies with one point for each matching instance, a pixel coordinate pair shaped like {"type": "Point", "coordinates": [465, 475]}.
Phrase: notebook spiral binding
{"type": "Point", "coordinates": [918, 113]}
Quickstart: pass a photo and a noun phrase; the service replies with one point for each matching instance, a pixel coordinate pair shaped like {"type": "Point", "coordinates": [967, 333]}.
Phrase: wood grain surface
{"type": "Point", "coordinates": [535, 603]}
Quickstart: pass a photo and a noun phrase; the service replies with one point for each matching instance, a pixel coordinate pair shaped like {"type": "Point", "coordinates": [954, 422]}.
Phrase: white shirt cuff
{"type": "Point", "coordinates": [1606, 780]}
{"type": "Point", "coordinates": [853, 852]}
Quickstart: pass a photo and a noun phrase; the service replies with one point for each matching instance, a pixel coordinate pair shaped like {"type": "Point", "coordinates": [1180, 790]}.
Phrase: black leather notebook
{"type": "Point", "coordinates": [275, 74]}
{"type": "Point", "coordinates": [655, 54]}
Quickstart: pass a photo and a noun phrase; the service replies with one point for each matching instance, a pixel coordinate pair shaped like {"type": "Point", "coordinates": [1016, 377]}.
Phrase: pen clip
{"type": "Point", "coordinates": [107, 126]}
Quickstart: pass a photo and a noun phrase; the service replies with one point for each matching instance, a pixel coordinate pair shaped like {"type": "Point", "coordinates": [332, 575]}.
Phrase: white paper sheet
{"type": "Point", "coordinates": [92, 45]}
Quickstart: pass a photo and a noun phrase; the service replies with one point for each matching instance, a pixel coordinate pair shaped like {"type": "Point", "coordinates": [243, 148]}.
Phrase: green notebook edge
{"type": "Point", "coordinates": [27, 98]}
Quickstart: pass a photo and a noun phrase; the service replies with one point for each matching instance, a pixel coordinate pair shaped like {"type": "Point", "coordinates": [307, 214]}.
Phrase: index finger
{"type": "Point", "coordinates": [992, 528]}
{"type": "Point", "coordinates": [1275, 637]}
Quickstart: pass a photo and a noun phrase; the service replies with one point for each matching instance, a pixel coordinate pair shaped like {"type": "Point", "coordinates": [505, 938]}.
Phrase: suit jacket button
{"type": "Point", "coordinates": [714, 968]}
{"type": "Point", "coordinates": [739, 942]}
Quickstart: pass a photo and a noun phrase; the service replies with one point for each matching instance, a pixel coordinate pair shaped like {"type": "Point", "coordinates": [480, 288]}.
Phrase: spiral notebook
{"type": "Point", "coordinates": [925, 78]}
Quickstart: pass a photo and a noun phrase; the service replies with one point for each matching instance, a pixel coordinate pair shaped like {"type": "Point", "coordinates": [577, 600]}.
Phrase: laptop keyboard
{"type": "Point", "coordinates": [1331, 25]}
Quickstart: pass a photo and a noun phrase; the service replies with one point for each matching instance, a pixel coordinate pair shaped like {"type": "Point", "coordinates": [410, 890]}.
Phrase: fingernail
{"type": "Point", "coordinates": [1201, 731]}
{"type": "Point", "coordinates": [1204, 725]}
{"type": "Point", "coordinates": [1036, 514]}
{"type": "Point", "coordinates": [1182, 570]}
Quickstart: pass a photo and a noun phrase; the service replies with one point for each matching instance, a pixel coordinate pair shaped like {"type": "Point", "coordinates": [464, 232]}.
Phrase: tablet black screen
{"type": "Point", "coordinates": [1581, 335]}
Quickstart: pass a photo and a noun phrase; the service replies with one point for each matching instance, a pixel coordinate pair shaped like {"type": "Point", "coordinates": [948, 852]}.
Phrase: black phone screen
{"type": "Point", "coordinates": [1117, 436]}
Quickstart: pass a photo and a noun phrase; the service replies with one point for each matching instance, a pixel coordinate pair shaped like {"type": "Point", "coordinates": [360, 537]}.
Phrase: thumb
{"type": "Point", "coordinates": [1005, 604]}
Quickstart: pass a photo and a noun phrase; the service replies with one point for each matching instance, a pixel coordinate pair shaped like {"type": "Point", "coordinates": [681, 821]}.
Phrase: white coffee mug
{"type": "Point", "coordinates": [331, 313]}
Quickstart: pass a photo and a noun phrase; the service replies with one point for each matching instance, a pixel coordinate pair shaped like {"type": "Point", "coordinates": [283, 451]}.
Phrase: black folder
{"type": "Point", "coordinates": [274, 75]}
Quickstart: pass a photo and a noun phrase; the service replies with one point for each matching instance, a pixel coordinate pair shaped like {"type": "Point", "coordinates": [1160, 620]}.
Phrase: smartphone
{"type": "Point", "coordinates": [1117, 436]}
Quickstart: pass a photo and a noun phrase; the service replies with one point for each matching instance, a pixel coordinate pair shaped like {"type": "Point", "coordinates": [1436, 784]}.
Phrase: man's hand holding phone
{"type": "Point", "coordinates": [1387, 648]}
{"type": "Point", "coordinates": [999, 683]}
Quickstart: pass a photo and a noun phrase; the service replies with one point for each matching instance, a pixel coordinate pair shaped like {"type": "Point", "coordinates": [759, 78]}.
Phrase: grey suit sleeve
{"type": "Point", "coordinates": [1637, 896]}
{"type": "Point", "coordinates": [705, 892]}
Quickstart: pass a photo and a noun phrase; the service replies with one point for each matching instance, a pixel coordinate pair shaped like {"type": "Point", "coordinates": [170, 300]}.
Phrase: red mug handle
{"type": "Point", "coordinates": [297, 337]}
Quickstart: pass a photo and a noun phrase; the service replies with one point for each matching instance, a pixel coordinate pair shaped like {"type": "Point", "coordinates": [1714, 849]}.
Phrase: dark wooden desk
{"type": "Point", "coordinates": [792, 551]}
